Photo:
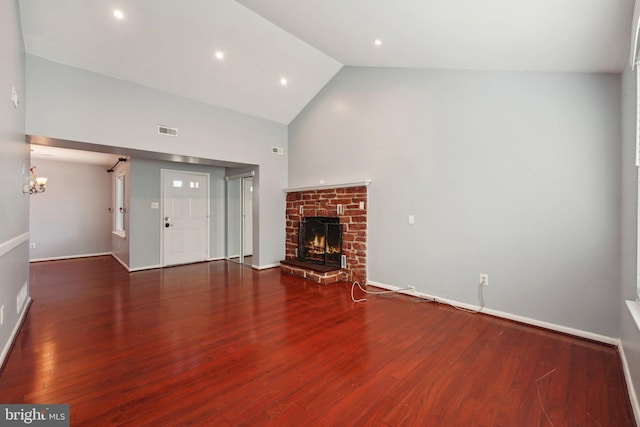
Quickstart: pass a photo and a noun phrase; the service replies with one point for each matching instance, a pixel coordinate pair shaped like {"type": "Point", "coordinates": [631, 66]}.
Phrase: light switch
{"type": "Point", "coordinates": [14, 97]}
{"type": "Point", "coordinates": [412, 220]}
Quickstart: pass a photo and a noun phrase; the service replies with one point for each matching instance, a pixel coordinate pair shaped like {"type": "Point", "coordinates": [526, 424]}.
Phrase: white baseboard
{"type": "Point", "coordinates": [152, 267]}
{"type": "Point", "coordinates": [146, 267]}
{"type": "Point", "coordinates": [265, 267]}
{"type": "Point", "coordinates": [55, 258]}
{"type": "Point", "coordinates": [122, 263]}
{"type": "Point", "coordinates": [527, 320]}
{"type": "Point", "coordinates": [633, 398]}
{"type": "Point", "coordinates": [15, 332]}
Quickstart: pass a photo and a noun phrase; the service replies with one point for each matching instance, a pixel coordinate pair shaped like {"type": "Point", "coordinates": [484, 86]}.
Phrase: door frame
{"type": "Point", "coordinates": [207, 177]}
{"type": "Point", "coordinates": [241, 177]}
{"type": "Point", "coordinates": [247, 217]}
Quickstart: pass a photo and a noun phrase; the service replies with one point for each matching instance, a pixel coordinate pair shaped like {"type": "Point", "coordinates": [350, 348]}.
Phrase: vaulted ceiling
{"type": "Point", "coordinates": [173, 45]}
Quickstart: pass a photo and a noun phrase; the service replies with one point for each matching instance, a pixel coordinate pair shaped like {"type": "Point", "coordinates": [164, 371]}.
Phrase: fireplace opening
{"type": "Point", "coordinates": [320, 240]}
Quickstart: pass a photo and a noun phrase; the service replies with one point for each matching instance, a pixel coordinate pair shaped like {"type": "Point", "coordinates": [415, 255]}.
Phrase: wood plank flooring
{"type": "Point", "coordinates": [219, 344]}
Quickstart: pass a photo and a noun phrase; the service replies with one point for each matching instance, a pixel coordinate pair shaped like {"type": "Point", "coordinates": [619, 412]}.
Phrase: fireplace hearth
{"type": "Point", "coordinates": [320, 241]}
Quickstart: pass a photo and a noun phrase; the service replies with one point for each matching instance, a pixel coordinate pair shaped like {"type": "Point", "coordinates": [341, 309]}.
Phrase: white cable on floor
{"type": "Point", "coordinates": [430, 299]}
{"type": "Point", "coordinates": [353, 298]}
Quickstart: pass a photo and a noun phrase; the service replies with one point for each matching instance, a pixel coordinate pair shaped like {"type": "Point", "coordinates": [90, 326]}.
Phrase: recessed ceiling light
{"type": "Point", "coordinates": [377, 42]}
{"type": "Point", "coordinates": [220, 55]}
{"type": "Point", "coordinates": [283, 81]}
{"type": "Point", "coordinates": [118, 14]}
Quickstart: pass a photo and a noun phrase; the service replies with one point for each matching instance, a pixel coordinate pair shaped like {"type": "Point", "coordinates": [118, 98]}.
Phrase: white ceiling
{"type": "Point", "coordinates": [513, 35]}
{"type": "Point", "coordinates": [170, 45]}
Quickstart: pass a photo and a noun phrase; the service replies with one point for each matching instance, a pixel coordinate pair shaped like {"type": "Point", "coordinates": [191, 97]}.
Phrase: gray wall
{"type": "Point", "coordinates": [144, 233]}
{"type": "Point", "coordinates": [629, 332]}
{"type": "Point", "coordinates": [14, 173]}
{"type": "Point", "coordinates": [71, 218]}
{"type": "Point", "coordinates": [68, 103]}
{"type": "Point", "coordinates": [511, 174]}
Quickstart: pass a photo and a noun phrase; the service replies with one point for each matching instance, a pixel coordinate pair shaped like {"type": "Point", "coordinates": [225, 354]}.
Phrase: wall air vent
{"type": "Point", "coordinates": [164, 130]}
{"type": "Point", "coordinates": [277, 150]}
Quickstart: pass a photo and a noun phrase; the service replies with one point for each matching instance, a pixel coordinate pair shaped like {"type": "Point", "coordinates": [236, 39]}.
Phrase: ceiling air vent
{"type": "Point", "coordinates": [164, 130]}
{"type": "Point", "coordinates": [277, 150]}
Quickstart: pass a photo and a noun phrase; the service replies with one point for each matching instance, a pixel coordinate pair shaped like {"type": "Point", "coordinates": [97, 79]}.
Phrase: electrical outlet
{"type": "Point", "coordinates": [484, 279]}
{"type": "Point", "coordinates": [2, 315]}
{"type": "Point", "coordinates": [32, 245]}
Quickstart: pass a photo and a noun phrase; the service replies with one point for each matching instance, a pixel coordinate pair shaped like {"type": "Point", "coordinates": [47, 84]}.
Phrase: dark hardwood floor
{"type": "Point", "coordinates": [219, 344]}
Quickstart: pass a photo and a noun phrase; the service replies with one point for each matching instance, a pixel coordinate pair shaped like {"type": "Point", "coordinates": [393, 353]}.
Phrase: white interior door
{"type": "Point", "coordinates": [247, 216]}
{"type": "Point", "coordinates": [240, 219]}
{"type": "Point", "coordinates": [185, 214]}
{"type": "Point", "coordinates": [234, 220]}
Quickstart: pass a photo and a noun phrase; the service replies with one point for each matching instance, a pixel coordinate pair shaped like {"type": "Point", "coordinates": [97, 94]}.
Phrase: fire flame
{"type": "Point", "coordinates": [318, 242]}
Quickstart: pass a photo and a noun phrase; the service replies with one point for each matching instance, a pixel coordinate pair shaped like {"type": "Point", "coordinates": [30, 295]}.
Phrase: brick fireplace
{"type": "Point", "coordinates": [347, 203]}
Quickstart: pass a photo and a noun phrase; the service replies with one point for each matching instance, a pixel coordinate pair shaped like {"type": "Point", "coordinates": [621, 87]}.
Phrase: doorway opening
{"type": "Point", "coordinates": [240, 192]}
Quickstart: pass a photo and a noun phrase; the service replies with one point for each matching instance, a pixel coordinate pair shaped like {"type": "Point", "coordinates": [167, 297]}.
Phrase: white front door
{"type": "Point", "coordinates": [185, 217]}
